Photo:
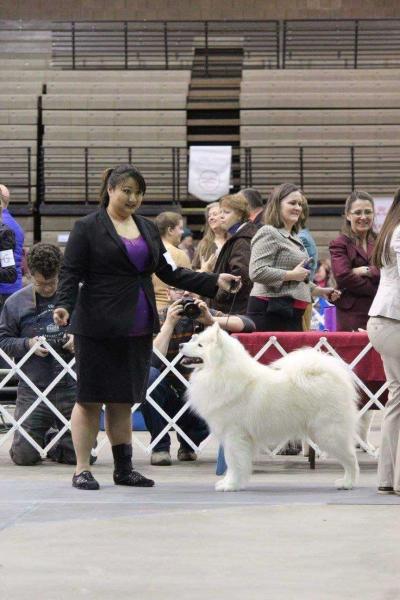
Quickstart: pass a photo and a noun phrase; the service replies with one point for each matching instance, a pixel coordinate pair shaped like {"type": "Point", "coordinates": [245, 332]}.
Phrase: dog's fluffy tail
{"type": "Point", "coordinates": [307, 368]}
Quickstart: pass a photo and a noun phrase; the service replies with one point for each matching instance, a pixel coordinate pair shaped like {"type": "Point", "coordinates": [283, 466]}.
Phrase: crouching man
{"type": "Point", "coordinates": [179, 322]}
{"type": "Point", "coordinates": [28, 314]}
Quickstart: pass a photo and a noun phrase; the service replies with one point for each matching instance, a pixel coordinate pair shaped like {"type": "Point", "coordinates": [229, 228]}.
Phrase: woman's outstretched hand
{"type": "Point", "coordinates": [61, 317]}
{"type": "Point", "coordinates": [229, 283]}
{"type": "Point", "coordinates": [330, 293]}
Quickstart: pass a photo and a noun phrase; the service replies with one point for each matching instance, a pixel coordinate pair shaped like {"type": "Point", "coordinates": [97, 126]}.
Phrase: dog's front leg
{"type": "Point", "coordinates": [239, 457]}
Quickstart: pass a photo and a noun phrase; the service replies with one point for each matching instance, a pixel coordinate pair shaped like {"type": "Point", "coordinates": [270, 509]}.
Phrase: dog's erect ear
{"type": "Point", "coordinates": [216, 330]}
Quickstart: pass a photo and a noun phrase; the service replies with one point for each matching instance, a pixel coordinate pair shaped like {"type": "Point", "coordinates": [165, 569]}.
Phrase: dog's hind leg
{"type": "Point", "coordinates": [339, 446]}
{"type": "Point", "coordinates": [348, 460]}
{"type": "Point", "coordinates": [239, 457]}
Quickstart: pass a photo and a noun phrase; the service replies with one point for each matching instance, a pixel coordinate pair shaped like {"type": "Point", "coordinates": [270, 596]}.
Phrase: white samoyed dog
{"type": "Point", "coordinates": [248, 405]}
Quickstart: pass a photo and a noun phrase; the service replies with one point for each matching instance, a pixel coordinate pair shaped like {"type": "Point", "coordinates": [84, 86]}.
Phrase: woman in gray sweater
{"type": "Point", "coordinates": [278, 266]}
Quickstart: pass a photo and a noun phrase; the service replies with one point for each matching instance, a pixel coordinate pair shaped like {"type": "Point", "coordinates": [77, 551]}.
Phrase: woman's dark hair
{"type": "Point", "coordinates": [253, 197]}
{"type": "Point", "coordinates": [114, 176]}
{"type": "Point", "coordinates": [45, 259]}
{"type": "Point", "coordinates": [381, 254]}
{"type": "Point", "coordinates": [346, 227]}
{"type": "Point", "coordinates": [272, 214]}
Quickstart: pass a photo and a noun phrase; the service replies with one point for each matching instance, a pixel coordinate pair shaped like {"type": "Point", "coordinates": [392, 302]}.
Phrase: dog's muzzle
{"type": "Point", "coordinates": [191, 361]}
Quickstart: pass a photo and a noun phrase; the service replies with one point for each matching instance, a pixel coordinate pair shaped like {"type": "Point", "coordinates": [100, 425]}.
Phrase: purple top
{"type": "Point", "coordinates": [139, 255]}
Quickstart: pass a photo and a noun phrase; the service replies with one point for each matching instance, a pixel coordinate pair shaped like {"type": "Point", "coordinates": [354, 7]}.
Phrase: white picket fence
{"type": "Point", "coordinates": [322, 345]}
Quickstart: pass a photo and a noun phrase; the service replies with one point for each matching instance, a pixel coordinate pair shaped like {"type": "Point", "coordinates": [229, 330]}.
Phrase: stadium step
{"type": "Point", "coordinates": [213, 111]}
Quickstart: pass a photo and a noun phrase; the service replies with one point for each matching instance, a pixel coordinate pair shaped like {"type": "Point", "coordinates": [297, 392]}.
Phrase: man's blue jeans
{"type": "Point", "coordinates": [169, 400]}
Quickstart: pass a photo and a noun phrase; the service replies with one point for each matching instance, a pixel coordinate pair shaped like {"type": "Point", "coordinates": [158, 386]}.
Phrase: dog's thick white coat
{"type": "Point", "coordinates": [248, 405]}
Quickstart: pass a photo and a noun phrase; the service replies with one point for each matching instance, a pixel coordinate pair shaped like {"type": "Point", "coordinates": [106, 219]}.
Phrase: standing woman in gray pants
{"type": "Point", "coordinates": [384, 332]}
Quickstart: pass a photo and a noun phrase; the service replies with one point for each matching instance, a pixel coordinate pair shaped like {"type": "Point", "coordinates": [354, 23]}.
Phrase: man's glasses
{"type": "Point", "coordinates": [358, 213]}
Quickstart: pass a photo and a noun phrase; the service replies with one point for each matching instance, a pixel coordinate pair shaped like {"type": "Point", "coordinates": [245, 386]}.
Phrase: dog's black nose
{"type": "Point", "coordinates": [180, 347]}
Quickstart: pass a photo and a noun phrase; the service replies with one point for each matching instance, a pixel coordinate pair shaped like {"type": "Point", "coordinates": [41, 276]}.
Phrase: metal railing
{"type": "Point", "coordinates": [18, 170]}
{"type": "Point", "coordinates": [341, 44]}
{"type": "Point", "coordinates": [210, 47]}
{"type": "Point", "coordinates": [72, 175]}
{"type": "Point", "coordinates": [326, 173]}
{"type": "Point", "coordinates": [215, 47]}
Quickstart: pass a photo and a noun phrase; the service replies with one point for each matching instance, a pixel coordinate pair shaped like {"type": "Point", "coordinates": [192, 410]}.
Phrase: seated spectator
{"type": "Point", "coordinates": [27, 315]}
{"type": "Point", "coordinates": [213, 239]}
{"type": "Point", "coordinates": [234, 257]}
{"type": "Point", "coordinates": [256, 205]}
{"type": "Point", "coordinates": [170, 226]}
{"type": "Point", "coordinates": [177, 328]}
{"type": "Point", "coordinates": [187, 243]}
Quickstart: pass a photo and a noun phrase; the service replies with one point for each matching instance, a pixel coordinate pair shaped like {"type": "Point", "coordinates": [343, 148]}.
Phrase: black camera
{"type": "Point", "coordinates": [55, 337]}
{"type": "Point", "coordinates": [190, 309]}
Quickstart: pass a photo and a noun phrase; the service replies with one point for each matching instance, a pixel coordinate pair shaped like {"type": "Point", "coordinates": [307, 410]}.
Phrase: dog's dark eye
{"type": "Point", "coordinates": [200, 345]}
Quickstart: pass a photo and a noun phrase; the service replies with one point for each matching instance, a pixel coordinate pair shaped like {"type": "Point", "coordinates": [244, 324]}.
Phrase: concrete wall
{"type": "Point", "coordinates": [201, 9]}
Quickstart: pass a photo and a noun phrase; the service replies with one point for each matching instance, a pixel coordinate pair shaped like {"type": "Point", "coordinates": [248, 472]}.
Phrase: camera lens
{"type": "Point", "coordinates": [190, 309]}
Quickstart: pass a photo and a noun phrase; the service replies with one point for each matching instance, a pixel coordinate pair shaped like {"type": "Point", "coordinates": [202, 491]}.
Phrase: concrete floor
{"type": "Point", "coordinates": [291, 535]}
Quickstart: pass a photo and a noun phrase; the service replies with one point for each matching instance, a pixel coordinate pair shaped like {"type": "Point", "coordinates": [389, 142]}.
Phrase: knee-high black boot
{"type": "Point", "coordinates": [124, 473]}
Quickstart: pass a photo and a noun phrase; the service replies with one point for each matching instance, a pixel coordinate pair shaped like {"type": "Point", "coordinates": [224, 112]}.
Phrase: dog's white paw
{"type": "Point", "coordinates": [226, 486]}
{"type": "Point", "coordinates": [343, 484]}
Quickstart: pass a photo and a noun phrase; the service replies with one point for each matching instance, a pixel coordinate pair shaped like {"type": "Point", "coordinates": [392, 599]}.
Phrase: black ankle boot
{"type": "Point", "coordinates": [123, 468]}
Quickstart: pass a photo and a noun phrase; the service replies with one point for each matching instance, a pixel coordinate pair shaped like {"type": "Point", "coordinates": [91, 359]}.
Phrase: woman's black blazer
{"type": "Point", "coordinates": [95, 256]}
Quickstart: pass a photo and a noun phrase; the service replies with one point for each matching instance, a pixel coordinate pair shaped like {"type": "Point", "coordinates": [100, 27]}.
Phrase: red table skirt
{"type": "Point", "coordinates": [347, 344]}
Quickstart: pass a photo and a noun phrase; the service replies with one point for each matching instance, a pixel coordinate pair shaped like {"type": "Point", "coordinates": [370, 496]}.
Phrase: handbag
{"type": "Point", "coordinates": [281, 307]}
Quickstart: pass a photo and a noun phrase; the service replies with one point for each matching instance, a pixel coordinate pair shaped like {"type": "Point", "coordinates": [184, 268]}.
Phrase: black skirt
{"type": "Point", "coordinates": [112, 370]}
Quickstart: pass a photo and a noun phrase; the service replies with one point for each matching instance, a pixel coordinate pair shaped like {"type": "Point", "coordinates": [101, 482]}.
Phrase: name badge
{"type": "Point", "coordinates": [7, 258]}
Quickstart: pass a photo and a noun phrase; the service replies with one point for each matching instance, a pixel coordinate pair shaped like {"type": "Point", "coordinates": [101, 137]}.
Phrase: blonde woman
{"type": "Point", "coordinates": [212, 241]}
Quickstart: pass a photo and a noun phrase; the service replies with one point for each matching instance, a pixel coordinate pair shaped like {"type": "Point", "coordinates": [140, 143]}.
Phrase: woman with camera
{"type": "Point", "coordinates": [185, 316]}
{"type": "Point", "coordinates": [113, 253]}
{"type": "Point", "coordinates": [278, 266]}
